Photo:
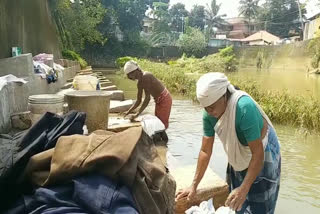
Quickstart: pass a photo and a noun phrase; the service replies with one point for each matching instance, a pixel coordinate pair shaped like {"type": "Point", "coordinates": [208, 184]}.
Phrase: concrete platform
{"type": "Point", "coordinates": [21, 120]}
{"type": "Point", "coordinates": [87, 69]}
{"type": "Point", "coordinates": [106, 83]}
{"type": "Point", "coordinates": [67, 85]}
{"type": "Point", "coordinates": [109, 88]}
{"type": "Point", "coordinates": [102, 78]}
{"type": "Point", "coordinates": [118, 124]}
{"type": "Point", "coordinates": [85, 73]}
{"type": "Point", "coordinates": [117, 95]}
{"type": "Point", "coordinates": [211, 186]}
{"type": "Point", "coordinates": [106, 71]}
{"type": "Point", "coordinates": [105, 80]}
{"type": "Point", "coordinates": [120, 106]}
{"type": "Point", "coordinates": [64, 91]}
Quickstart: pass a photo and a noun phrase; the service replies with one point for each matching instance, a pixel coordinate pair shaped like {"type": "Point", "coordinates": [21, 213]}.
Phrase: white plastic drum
{"type": "Point", "coordinates": [85, 83]}
{"type": "Point", "coordinates": [38, 105]}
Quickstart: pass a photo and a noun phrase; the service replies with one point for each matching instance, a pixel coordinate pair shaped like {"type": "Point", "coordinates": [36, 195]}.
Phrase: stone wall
{"type": "Point", "coordinates": [27, 24]}
{"type": "Point", "coordinates": [103, 57]}
{"type": "Point", "coordinates": [14, 97]}
{"type": "Point", "coordinates": [295, 56]}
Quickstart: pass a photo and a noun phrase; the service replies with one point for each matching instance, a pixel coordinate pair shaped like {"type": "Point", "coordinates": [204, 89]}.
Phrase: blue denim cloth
{"type": "Point", "coordinates": [86, 194]}
{"type": "Point", "coordinates": [16, 151]}
{"type": "Point", "coordinates": [263, 194]}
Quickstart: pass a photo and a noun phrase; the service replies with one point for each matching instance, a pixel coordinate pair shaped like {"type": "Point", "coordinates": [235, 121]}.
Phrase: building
{"type": "Point", "coordinates": [240, 28]}
{"type": "Point", "coordinates": [236, 28]}
{"type": "Point", "coordinates": [311, 27]}
{"type": "Point", "coordinates": [148, 25]}
{"type": "Point", "coordinates": [261, 38]}
{"type": "Point", "coordinates": [224, 42]}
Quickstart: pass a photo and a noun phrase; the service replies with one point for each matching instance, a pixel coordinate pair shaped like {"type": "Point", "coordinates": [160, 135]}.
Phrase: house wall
{"type": "Point", "coordinates": [241, 26]}
{"type": "Point", "coordinates": [221, 43]}
{"type": "Point", "coordinates": [147, 25]}
{"type": "Point", "coordinates": [258, 42]}
{"type": "Point", "coordinates": [311, 28]}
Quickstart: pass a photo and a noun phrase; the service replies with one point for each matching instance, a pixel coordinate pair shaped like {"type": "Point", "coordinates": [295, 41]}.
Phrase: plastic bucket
{"type": "Point", "coordinates": [38, 105]}
{"type": "Point", "coordinates": [86, 83]}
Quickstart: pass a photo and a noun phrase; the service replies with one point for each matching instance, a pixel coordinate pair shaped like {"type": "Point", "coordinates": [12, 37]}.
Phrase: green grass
{"type": "Point", "coordinates": [174, 78]}
{"type": "Point", "coordinates": [224, 61]}
{"type": "Point", "coordinates": [284, 108]}
{"type": "Point", "coordinates": [68, 54]}
{"type": "Point", "coordinates": [280, 106]}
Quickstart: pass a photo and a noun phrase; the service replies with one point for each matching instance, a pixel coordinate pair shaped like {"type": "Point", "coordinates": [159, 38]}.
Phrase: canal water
{"type": "Point", "coordinates": [300, 178]}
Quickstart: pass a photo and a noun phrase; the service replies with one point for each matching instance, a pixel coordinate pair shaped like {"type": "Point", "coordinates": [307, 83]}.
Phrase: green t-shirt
{"type": "Point", "coordinates": [249, 122]}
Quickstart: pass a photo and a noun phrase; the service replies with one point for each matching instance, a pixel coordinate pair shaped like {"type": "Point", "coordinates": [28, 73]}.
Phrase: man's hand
{"type": "Point", "coordinates": [236, 199]}
{"type": "Point", "coordinates": [188, 192]}
{"type": "Point", "coordinates": [124, 114]}
{"type": "Point", "coordinates": [133, 117]}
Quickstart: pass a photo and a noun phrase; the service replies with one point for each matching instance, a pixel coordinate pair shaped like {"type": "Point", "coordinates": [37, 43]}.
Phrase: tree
{"type": "Point", "coordinates": [161, 13]}
{"type": "Point", "coordinates": [281, 17]}
{"type": "Point", "coordinates": [193, 42]}
{"type": "Point", "coordinates": [197, 17]}
{"type": "Point", "coordinates": [150, 3]}
{"type": "Point", "coordinates": [177, 13]}
{"type": "Point", "coordinates": [212, 17]}
{"type": "Point", "coordinates": [125, 17]}
{"type": "Point", "coordinates": [249, 9]}
{"type": "Point", "coordinates": [77, 22]}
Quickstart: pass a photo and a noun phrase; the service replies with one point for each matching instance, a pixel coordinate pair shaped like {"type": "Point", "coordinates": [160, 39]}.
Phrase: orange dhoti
{"type": "Point", "coordinates": [163, 107]}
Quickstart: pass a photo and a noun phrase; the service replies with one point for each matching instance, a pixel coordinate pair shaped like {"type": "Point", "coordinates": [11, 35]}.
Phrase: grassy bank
{"type": "Point", "coordinates": [284, 108]}
{"type": "Point", "coordinates": [174, 78]}
{"type": "Point", "coordinates": [280, 106]}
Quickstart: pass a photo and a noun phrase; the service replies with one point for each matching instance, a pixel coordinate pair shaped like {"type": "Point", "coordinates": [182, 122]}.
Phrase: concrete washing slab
{"type": "Point", "coordinates": [120, 106]}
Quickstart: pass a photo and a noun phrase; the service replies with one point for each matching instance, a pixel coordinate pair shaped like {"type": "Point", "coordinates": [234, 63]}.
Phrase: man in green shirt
{"type": "Point", "coordinates": [249, 140]}
{"type": "Point", "coordinates": [249, 122]}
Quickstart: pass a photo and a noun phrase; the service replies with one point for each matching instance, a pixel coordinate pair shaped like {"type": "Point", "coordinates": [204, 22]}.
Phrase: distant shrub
{"type": "Point", "coordinates": [121, 61]}
{"type": "Point", "coordinates": [68, 54]}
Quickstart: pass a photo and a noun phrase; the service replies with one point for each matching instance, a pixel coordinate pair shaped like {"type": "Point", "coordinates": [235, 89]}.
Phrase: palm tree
{"type": "Point", "coordinates": [249, 9]}
{"type": "Point", "coordinates": [212, 17]}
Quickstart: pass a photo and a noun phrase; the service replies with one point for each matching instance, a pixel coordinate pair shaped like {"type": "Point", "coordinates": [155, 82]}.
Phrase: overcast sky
{"type": "Point", "coordinates": [230, 7]}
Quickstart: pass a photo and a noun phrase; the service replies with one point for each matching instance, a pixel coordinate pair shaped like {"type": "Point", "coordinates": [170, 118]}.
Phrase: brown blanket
{"type": "Point", "coordinates": [129, 156]}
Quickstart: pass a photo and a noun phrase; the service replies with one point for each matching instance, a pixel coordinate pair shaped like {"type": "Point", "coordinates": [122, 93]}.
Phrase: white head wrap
{"type": "Point", "coordinates": [211, 87]}
{"type": "Point", "coordinates": [130, 66]}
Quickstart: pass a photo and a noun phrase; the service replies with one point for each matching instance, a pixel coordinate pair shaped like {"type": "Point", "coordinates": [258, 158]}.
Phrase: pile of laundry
{"type": "Point", "coordinates": [54, 168]}
{"type": "Point", "coordinates": [206, 207]}
{"type": "Point", "coordinates": [45, 66]}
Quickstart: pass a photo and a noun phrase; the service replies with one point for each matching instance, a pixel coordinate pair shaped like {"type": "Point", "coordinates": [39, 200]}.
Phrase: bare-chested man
{"type": "Point", "coordinates": [151, 86]}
